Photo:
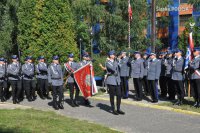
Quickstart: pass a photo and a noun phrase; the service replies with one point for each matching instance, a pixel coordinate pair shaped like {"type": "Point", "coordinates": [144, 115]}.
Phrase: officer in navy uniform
{"type": "Point", "coordinates": [70, 67]}
{"type": "Point", "coordinates": [55, 79]}
{"type": "Point", "coordinates": [153, 75]}
{"type": "Point", "coordinates": [3, 81]}
{"type": "Point", "coordinates": [163, 79]}
{"type": "Point", "coordinates": [124, 74]}
{"type": "Point", "coordinates": [177, 76]}
{"type": "Point", "coordinates": [14, 77]}
{"type": "Point", "coordinates": [195, 77]}
{"type": "Point", "coordinates": [145, 81]}
{"type": "Point", "coordinates": [168, 73]}
{"type": "Point", "coordinates": [137, 73]}
{"type": "Point", "coordinates": [85, 61]}
{"type": "Point", "coordinates": [29, 83]}
{"type": "Point", "coordinates": [113, 82]}
{"type": "Point", "coordinates": [42, 78]}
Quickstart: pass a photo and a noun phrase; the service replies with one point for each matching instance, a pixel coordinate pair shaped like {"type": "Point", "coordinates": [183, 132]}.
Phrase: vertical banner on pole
{"type": "Point", "coordinates": [174, 24]}
{"type": "Point", "coordinates": [196, 14]}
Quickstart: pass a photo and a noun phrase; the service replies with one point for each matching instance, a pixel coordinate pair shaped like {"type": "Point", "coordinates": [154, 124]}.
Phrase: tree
{"type": "Point", "coordinates": [46, 28]}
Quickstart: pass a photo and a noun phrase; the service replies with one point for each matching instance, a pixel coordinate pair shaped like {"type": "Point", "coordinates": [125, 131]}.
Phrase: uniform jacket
{"type": "Point", "coordinates": [146, 66]}
{"type": "Point", "coordinates": [55, 74]}
{"type": "Point", "coordinates": [195, 65]}
{"type": "Point", "coordinates": [177, 70]}
{"type": "Point", "coordinates": [28, 70]}
{"type": "Point", "coordinates": [113, 75]}
{"type": "Point", "coordinates": [168, 72]}
{"type": "Point", "coordinates": [163, 67]}
{"type": "Point", "coordinates": [13, 71]}
{"type": "Point", "coordinates": [2, 72]}
{"type": "Point", "coordinates": [154, 69]}
{"type": "Point", "coordinates": [137, 68]}
{"type": "Point", "coordinates": [124, 68]}
{"type": "Point", "coordinates": [42, 70]}
{"type": "Point", "coordinates": [74, 66]}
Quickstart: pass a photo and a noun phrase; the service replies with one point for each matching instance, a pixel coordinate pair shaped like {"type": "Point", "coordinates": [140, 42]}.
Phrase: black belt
{"type": "Point", "coordinates": [2, 78]}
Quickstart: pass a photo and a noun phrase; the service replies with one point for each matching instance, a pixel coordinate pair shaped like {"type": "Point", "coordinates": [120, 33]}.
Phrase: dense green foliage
{"type": "Point", "coordinates": [46, 28]}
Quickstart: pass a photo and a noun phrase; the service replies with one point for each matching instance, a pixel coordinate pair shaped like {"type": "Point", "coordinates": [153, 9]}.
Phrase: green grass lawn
{"type": "Point", "coordinates": [34, 121]}
{"type": "Point", "coordinates": [187, 105]}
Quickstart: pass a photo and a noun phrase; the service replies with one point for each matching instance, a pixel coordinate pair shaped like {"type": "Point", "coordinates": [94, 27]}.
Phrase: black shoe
{"type": "Point", "coordinates": [72, 103]}
{"type": "Point", "coordinates": [195, 105]}
{"type": "Point", "coordinates": [87, 102]}
{"type": "Point", "coordinates": [61, 106]}
{"type": "Point", "coordinates": [55, 106]}
{"type": "Point", "coordinates": [30, 100]}
{"type": "Point", "coordinates": [114, 112]}
{"type": "Point", "coordinates": [120, 112]}
{"type": "Point", "coordinates": [34, 98]}
{"type": "Point", "coordinates": [17, 101]}
{"type": "Point", "coordinates": [76, 104]}
{"type": "Point", "coordinates": [14, 102]}
{"type": "Point", "coordinates": [178, 103]}
{"type": "Point", "coordinates": [155, 101]}
{"type": "Point", "coordinates": [48, 97]}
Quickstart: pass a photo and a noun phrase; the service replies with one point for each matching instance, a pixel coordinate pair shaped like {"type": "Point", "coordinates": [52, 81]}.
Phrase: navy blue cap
{"type": "Point", "coordinates": [71, 55]}
{"type": "Point", "coordinates": [56, 57]}
{"type": "Point", "coordinates": [112, 52]}
{"type": "Point", "coordinates": [28, 58]}
{"type": "Point", "coordinates": [153, 54]}
{"type": "Point", "coordinates": [40, 57]}
{"type": "Point", "coordinates": [136, 52]}
{"type": "Point", "coordinates": [197, 49]}
{"type": "Point", "coordinates": [2, 59]}
{"type": "Point", "coordinates": [123, 52]}
{"type": "Point", "coordinates": [86, 55]}
{"type": "Point", "coordinates": [169, 52]}
{"type": "Point", "coordinates": [179, 51]}
{"type": "Point", "coordinates": [146, 53]}
{"type": "Point", "coordinates": [14, 57]}
{"type": "Point", "coordinates": [163, 53]}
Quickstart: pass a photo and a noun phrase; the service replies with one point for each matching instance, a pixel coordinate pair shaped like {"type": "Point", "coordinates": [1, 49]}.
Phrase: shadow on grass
{"type": "Point", "coordinates": [9, 130]}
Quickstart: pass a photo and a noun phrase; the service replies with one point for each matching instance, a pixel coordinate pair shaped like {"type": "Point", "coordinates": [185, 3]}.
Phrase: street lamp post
{"type": "Point", "coordinates": [153, 25]}
{"type": "Point", "coordinates": [91, 33]}
{"type": "Point", "coordinates": [80, 43]}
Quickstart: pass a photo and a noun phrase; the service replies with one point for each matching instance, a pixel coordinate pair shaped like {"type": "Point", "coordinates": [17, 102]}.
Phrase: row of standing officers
{"type": "Point", "coordinates": [21, 78]}
{"type": "Point", "coordinates": [150, 72]}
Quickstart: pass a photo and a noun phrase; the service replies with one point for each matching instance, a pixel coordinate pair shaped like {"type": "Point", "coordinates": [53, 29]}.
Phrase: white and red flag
{"type": "Point", "coordinates": [84, 78]}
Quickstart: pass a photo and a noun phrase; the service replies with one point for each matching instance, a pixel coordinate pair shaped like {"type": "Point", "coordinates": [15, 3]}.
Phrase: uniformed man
{"type": "Point", "coordinates": [55, 79]}
{"type": "Point", "coordinates": [163, 79]}
{"type": "Point", "coordinates": [153, 75]}
{"type": "Point", "coordinates": [3, 80]}
{"type": "Point", "coordinates": [85, 61]}
{"type": "Point", "coordinates": [113, 82]}
{"type": "Point", "coordinates": [70, 67]}
{"type": "Point", "coordinates": [145, 81]}
{"type": "Point", "coordinates": [29, 83]}
{"type": "Point", "coordinates": [42, 78]}
{"type": "Point", "coordinates": [14, 77]}
{"type": "Point", "coordinates": [195, 76]}
{"type": "Point", "coordinates": [137, 73]}
{"type": "Point", "coordinates": [168, 73]}
{"type": "Point", "coordinates": [124, 74]}
{"type": "Point", "coordinates": [177, 76]}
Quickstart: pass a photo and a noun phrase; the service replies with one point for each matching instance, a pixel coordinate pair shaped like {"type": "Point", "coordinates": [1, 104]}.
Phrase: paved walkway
{"type": "Point", "coordinates": [137, 119]}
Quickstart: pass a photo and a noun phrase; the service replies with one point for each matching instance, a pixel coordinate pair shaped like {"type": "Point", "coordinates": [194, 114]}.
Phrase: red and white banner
{"type": "Point", "coordinates": [84, 78]}
{"type": "Point", "coordinates": [130, 12]}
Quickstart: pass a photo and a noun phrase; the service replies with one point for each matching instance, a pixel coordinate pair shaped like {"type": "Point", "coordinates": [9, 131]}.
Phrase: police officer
{"type": "Point", "coordinates": [168, 73]}
{"type": "Point", "coordinates": [137, 73]}
{"type": "Point", "coordinates": [28, 70]}
{"type": "Point", "coordinates": [3, 81]}
{"type": "Point", "coordinates": [113, 82]}
{"type": "Point", "coordinates": [145, 82]}
{"type": "Point", "coordinates": [55, 78]}
{"type": "Point", "coordinates": [177, 76]}
{"type": "Point", "coordinates": [70, 67]}
{"type": "Point", "coordinates": [86, 60]}
{"type": "Point", "coordinates": [195, 77]}
{"type": "Point", "coordinates": [42, 78]}
{"type": "Point", "coordinates": [14, 77]}
{"type": "Point", "coordinates": [124, 74]}
{"type": "Point", "coordinates": [153, 74]}
{"type": "Point", "coordinates": [163, 79]}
